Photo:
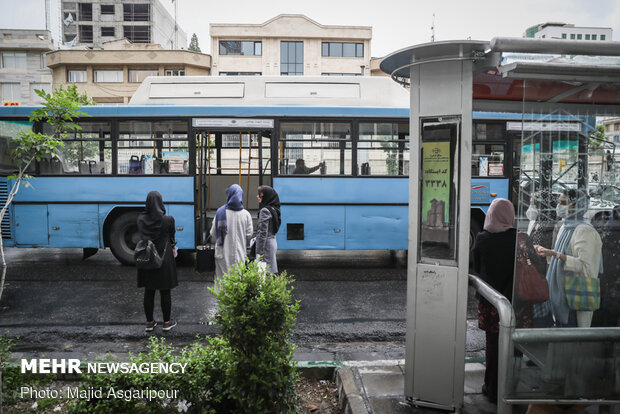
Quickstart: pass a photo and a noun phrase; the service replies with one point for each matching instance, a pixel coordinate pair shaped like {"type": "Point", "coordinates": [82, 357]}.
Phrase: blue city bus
{"type": "Point", "coordinates": [191, 137]}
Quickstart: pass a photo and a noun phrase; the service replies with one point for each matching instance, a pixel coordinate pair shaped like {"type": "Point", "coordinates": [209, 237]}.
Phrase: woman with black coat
{"type": "Point", "coordinates": [494, 259]}
{"type": "Point", "coordinates": [154, 225]}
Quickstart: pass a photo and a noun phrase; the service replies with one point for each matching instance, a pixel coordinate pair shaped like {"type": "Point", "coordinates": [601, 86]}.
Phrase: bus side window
{"type": "Point", "coordinates": [153, 148]}
{"type": "Point", "coordinates": [86, 151]}
{"type": "Point", "coordinates": [8, 131]}
{"type": "Point", "coordinates": [487, 160]}
{"type": "Point", "coordinates": [315, 148]}
{"type": "Point", "coordinates": [383, 149]}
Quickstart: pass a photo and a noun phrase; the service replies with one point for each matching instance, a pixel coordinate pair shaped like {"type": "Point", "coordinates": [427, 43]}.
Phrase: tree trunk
{"type": "Point", "coordinates": [9, 200]}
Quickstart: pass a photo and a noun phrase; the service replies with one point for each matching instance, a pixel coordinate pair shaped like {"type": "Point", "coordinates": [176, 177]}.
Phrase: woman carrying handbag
{"type": "Point", "coordinates": [154, 225]}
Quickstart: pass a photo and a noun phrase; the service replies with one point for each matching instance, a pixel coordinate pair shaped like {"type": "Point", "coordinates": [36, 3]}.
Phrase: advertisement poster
{"type": "Point", "coordinates": [436, 191]}
{"type": "Point", "coordinates": [483, 167]}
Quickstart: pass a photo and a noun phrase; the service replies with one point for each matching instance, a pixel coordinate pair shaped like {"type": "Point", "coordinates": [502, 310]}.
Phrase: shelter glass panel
{"type": "Point", "coordinates": [568, 220]}
{"type": "Point", "coordinates": [438, 195]}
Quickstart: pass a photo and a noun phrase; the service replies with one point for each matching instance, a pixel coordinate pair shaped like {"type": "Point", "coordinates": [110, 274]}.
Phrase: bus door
{"type": "Point", "coordinates": [226, 157]}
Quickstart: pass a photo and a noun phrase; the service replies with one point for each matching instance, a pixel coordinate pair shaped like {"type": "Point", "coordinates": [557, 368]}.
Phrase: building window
{"type": "Point", "coordinates": [11, 92]}
{"type": "Point", "coordinates": [593, 37]}
{"type": "Point", "coordinates": [86, 34]}
{"type": "Point", "coordinates": [14, 60]}
{"type": "Point", "coordinates": [572, 36]}
{"type": "Point", "coordinates": [602, 37]}
{"type": "Point", "coordinates": [85, 12]}
{"type": "Point", "coordinates": [107, 9]}
{"type": "Point", "coordinates": [107, 31]}
{"type": "Point", "coordinates": [114, 76]}
{"type": "Point", "coordinates": [579, 37]}
{"type": "Point", "coordinates": [174, 72]}
{"type": "Point", "coordinates": [342, 49]}
{"type": "Point", "coordinates": [241, 48]}
{"type": "Point", "coordinates": [563, 35]}
{"type": "Point", "coordinates": [137, 34]}
{"type": "Point", "coordinates": [138, 75]}
{"type": "Point", "coordinates": [587, 37]}
{"type": "Point", "coordinates": [76, 76]}
{"type": "Point", "coordinates": [240, 73]}
{"type": "Point", "coordinates": [136, 13]}
{"type": "Point", "coordinates": [43, 61]}
{"type": "Point", "coordinates": [340, 74]}
{"type": "Point", "coordinates": [36, 99]}
{"type": "Point", "coordinates": [292, 58]}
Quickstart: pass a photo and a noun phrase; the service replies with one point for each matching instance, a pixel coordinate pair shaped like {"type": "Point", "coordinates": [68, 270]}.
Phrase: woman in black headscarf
{"type": "Point", "coordinates": [268, 224]}
{"type": "Point", "coordinates": [154, 225]}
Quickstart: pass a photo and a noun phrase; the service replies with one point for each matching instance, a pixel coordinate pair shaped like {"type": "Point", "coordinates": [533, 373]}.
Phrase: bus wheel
{"type": "Point", "coordinates": [124, 236]}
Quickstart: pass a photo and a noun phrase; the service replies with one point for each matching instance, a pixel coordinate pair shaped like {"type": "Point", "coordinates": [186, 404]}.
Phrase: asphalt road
{"type": "Point", "coordinates": [57, 302]}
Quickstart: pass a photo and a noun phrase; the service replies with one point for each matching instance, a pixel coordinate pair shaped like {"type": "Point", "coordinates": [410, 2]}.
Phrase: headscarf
{"type": "Point", "coordinates": [234, 201]}
{"type": "Point", "coordinates": [149, 221]}
{"type": "Point", "coordinates": [500, 216]}
{"type": "Point", "coordinates": [271, 202]}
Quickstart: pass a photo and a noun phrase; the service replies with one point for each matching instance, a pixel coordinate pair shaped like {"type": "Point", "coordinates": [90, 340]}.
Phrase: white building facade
{"type": "Point", "coordinates": [23, 65]}
{"type": "Point", "coordinates": [92, 22]}
{"type": "Point", "coordinates": [569, 32]}
{"type": "Point", "coordinates": [290, 44]}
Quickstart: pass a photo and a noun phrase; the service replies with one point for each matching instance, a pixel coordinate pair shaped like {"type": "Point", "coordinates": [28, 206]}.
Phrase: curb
{"type": "Point", "coordinates": [349, 399]}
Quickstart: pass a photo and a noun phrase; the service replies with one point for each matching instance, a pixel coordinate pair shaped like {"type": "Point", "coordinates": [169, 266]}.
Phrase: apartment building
{"type": "Point", "coordinates": [111, 76]}
{"type": "Point", "coordinates": [290, 44]}
{"type": "Point", "coordinates": [91, 23]}
{"type": "Point", "coordinates": [23, 66]}
{"type": "Point", "coordinates": [566, 31]}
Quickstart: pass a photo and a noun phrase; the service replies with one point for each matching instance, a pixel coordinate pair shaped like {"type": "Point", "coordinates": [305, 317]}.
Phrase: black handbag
{"type": "Point", "coordinates": [205, 259]}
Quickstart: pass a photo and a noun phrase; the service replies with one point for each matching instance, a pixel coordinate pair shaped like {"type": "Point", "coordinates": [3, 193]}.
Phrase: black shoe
{"type": "Point", "coordinates": [150, 326]}
{"type": "Point", "coordinates": [491, 397]}
{"type": "Point", "coordinates": [169, 325]}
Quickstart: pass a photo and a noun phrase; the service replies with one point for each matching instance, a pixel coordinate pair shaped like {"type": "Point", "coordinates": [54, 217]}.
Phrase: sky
{"type": "Point", "coordinates": [396, 23]}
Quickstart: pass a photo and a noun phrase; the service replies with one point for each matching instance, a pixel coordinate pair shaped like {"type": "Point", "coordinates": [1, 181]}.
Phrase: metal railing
{"type": "Point", "coordinates": [509, 336]}
{"type": "Point", "coordinates": [506, 327]}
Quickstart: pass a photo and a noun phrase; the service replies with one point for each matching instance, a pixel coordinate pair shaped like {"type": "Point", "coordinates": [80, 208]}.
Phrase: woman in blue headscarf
{"type": "Point", "coordinates": [577, 252]}
{"type": "Point", "coordinates": [231, 229]}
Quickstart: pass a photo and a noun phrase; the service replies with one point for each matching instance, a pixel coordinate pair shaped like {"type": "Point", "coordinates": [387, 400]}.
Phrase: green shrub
{"type": "Point", "coordinates": [11, 378]}
{"type": "Point", "coordinates": [250, 369]}
{"type": "Point", "coordinates": [256, 318]}
{"type": "Point", "coordinates": [201, 387]}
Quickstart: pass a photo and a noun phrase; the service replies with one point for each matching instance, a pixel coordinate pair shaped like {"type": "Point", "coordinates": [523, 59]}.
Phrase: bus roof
{"type": "Point", "coordinates": [165, 111]}
{"type": "Point", "coordinates": [271, 91]}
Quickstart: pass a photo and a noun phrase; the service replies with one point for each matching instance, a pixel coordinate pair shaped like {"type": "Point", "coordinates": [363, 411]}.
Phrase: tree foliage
{"type": "Point", "coordinates": [59, 109]}
{"type": "Point", "coordinates": [597, 136]}
{"type": "Point", "coordinates": [193, 44]}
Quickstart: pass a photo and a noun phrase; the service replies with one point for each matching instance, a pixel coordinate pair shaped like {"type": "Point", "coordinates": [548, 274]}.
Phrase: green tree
{"type": "Point", "coordinates": [597, 136]}
{"type": "Point", "coordinates": [193, 44]}
{"type": "Point", "coordinates": [59, 109]}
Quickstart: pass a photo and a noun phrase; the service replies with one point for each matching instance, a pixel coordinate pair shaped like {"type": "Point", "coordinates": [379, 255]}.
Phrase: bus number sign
{"type": "Point", "coordinates": [232, 123]}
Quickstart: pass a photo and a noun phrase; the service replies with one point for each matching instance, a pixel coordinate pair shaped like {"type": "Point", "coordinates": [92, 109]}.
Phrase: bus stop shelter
{"type": "Point", "coordinates": [554, 85]}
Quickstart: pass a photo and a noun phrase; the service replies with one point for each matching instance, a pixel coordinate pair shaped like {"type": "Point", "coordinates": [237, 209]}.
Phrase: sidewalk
{"type": "Point", "coordinates": [378, 387]}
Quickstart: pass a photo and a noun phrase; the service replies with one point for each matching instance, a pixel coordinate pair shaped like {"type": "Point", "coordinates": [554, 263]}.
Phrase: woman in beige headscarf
{"type": "Point", "coordinates": [494, 255]}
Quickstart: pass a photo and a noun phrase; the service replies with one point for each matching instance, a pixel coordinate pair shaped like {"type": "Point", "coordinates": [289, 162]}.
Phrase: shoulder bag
{"type": "Point", "coordinates": [530, 285]}
{"type": "Point", "coordinates": [583, 293]}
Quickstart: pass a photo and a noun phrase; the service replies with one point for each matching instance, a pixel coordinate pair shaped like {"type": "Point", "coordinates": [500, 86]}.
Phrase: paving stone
{"type": "Point", "coordinates": [384, 384]}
